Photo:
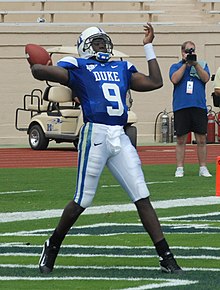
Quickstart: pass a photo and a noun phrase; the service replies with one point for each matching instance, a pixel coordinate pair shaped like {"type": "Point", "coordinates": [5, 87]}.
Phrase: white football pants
{"type": "Point", "coordinates": [101, 145]}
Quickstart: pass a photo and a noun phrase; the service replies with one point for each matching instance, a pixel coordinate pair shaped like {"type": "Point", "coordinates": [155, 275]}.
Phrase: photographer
{"type": "Point", "coordinates": [189, 78]}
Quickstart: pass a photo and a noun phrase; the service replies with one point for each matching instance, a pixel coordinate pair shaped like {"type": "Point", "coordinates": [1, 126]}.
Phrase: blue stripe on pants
{"type": "Point", "coordinates": [84, 148]}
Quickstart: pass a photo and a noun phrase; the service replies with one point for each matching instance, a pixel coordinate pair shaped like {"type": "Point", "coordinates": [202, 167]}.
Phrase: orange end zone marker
{"type": "Point", "coordinates": [218, 176]}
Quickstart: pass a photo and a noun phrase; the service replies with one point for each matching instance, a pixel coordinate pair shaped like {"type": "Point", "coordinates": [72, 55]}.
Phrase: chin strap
{"type": "Point", "coordinates": [103, 56]}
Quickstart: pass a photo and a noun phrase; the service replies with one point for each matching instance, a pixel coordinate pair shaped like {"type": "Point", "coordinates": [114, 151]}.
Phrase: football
{"type": "Point", "coordinates": [36, 54]}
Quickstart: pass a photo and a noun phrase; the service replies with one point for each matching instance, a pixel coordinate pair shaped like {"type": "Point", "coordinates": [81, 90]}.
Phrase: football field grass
{"type": "Point", "coordinates": [108, 248]}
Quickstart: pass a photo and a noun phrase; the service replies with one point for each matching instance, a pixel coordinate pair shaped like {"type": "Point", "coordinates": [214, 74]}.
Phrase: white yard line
{"type": "Point", "coordinates": [150, 182]}
{"type": "Point", "coordinates": [76, 246]}
{"type": "Point", "coordinates": [168, 282]}
{"type": "Point", "coordinates": [162, 282]}
{"type": "Point", "coordinates": [171, 283]}
{"type": "Point", "coordinates": [135, 256]}
{"type": "Point", "coordinates": [34, 266]}
{"type": "Point", "coordinates": [32, 215]}
{"type": "Point", "coordinates": [20, 191]}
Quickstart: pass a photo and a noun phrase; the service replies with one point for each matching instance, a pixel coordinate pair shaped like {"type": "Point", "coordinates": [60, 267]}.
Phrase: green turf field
{"type": "Point", "coordinates": [108, 248]}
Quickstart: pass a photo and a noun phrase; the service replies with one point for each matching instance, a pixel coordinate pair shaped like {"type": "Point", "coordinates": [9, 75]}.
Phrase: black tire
{"type": "Point", "coordinates": [37, 139]}
{"type": "Point", "coordinates": [131, 132]}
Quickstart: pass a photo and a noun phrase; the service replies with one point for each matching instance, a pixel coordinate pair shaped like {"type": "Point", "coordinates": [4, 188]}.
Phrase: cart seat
{"type": "Point", "coordinates": [58, 96]}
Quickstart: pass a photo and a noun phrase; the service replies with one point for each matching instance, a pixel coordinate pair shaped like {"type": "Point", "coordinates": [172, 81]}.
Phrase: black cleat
{"type": "Point", "coordinates": [48, 258]}
{"type": "Point", "coordinates": [169, 265]}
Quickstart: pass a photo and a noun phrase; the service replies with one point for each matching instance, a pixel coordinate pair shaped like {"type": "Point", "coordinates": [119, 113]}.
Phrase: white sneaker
{"type": "Point", "coordinates": [179, 172]}
{"type": "Point", "coordinates": [203, 171]}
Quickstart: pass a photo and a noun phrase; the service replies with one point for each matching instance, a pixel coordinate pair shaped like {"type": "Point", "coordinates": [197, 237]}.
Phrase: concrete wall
{"type": "Point", "coordinates": [16, 79]}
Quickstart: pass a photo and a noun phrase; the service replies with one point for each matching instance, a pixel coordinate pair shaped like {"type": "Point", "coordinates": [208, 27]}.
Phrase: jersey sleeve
{"type": "Point", "coordinates": [130, 70]}
{"type": "Point", "coordinates": [131, 67]}
{"type": "Point", "coordinates": [68, 62]}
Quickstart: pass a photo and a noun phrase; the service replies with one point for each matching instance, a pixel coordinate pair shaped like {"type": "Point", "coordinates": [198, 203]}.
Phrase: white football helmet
{"type": "Point", "coordinates": [84, 44]}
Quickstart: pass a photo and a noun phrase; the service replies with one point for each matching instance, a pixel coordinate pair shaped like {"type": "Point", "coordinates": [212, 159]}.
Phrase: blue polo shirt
{"type": "Point", "coordinates": [182, 99]}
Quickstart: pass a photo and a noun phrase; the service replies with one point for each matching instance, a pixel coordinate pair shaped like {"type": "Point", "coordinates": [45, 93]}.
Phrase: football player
{"type": "Point", "coordinates": [101, 86]}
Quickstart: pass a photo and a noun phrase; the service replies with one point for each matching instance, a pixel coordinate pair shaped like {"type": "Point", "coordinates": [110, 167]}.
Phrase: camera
{"type": "Point", "coordinates": [190, 56]}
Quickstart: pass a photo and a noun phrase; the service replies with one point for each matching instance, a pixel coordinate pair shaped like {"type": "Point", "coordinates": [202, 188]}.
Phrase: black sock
{"type": "Point", "coordinates": [162, 248]}
{"type": "Point", "coordinates": [56, 239]}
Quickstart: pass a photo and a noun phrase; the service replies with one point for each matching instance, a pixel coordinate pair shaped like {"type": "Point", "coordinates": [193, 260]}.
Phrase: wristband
{"type": "Point", "coordinates": [149, 51]}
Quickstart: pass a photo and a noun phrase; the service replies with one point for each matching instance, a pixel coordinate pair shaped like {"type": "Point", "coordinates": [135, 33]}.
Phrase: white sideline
{"type": "Point", "coordinates": [33, 215]}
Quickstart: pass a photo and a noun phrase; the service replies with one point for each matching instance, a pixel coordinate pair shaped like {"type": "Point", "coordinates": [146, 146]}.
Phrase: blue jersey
{"type": "Point", "coordinates": [181, 98]}
{"type": "Point", "coordinates": [100, 87]}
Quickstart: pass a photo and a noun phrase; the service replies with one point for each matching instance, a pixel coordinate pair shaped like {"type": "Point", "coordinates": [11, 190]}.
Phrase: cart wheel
{"type": "Point", "coordinates": [131, 132]}
{"type": "Point", "coordinates": [37, 139]}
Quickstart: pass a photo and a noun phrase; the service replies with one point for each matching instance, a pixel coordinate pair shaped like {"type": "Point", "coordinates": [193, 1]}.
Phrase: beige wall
{"type": "Point", "coordinates": [16, 79]}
